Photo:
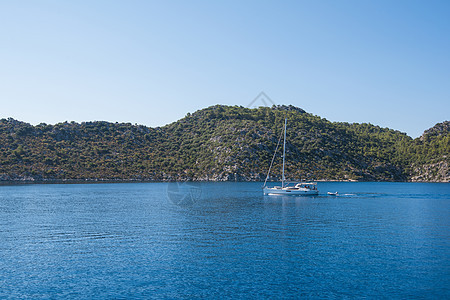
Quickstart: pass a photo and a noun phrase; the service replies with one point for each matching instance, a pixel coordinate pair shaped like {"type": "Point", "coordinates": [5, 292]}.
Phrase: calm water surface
{"type": "Point", "coordinates": [213, 240]}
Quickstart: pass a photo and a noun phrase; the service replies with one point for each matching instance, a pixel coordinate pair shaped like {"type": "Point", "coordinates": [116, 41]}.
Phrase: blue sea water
{"type": "Point", "coordinates": [216, 240]}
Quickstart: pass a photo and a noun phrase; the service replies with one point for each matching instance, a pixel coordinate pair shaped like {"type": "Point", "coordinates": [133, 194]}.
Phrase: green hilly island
{"type": "Point", "coordinates": [221, 143]}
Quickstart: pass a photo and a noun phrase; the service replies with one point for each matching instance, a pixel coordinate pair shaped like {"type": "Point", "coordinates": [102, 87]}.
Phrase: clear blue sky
{"type": "Point", "coordinates": [151, 62]}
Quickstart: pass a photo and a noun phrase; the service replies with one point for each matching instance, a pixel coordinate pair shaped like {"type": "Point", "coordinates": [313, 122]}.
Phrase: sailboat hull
{"type": "Point", "coordinates": [290, 191]}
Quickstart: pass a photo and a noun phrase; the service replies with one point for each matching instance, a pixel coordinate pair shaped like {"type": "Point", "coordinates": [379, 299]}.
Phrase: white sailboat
{"type": "Point", "coordinates": [289, 188]}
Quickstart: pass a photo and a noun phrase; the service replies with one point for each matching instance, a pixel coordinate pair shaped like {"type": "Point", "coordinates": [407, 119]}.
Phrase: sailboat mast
{"type": "Point", "coordinates": [284, 153]}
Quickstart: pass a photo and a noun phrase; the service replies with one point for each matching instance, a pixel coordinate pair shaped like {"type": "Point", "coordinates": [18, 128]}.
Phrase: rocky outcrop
{"type": "Point", "coordinates": [439, 129]}
{"type": "Point", "coordinates": [436, 172]}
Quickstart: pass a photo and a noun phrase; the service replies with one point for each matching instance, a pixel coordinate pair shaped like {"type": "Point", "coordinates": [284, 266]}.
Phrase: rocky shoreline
{"type": "Point", "coordinates": [26, 181]}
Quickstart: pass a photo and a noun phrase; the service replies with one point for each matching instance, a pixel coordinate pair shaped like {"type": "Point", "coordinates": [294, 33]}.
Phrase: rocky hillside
{"type": "Point", "coordinates": [220, 143]}
{"type": "Point", "coordinates": [431, 155]}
